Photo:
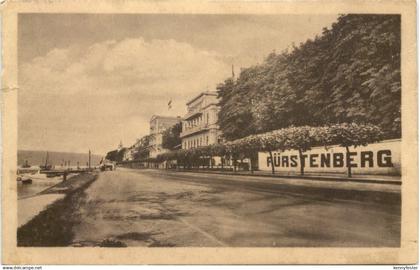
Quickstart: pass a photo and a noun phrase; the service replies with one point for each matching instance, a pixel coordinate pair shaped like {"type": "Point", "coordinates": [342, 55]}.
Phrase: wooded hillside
{"type": "Point", "coordinates": [350, 73]}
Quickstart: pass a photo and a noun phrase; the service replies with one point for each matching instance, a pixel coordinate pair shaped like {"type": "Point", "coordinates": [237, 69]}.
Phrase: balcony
{"type": "Point", "coordinates": [193, 130]}
{"type": "Point", "coordinates": [192, 114]}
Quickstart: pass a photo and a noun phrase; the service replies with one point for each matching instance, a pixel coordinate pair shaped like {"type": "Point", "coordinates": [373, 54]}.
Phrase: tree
{"type": "Point", "coordinates": [349, 73]}
{"type": "Point", "coordinates": [111, 155]}
{"type": "Point", "coordinates": [171, 137]}
{"type": "Point", "coordinates": [297, 138]}
{"type": "Point", "coordinates": [234, 117]}
{"type": "Point", "coordinates": [347, 135]}
{"type": "Point", "coordinates": [116, 155]}
{"type": "Point", "coordinates": [249, 147]}
{"type": "Point", "coordinates": [274, 100]}
{"type": "Point", "coordinates": [219, 150]}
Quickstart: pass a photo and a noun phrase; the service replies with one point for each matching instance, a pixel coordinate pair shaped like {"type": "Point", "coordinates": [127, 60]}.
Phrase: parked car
{"type": "Point", "coordinates": [106, 165]}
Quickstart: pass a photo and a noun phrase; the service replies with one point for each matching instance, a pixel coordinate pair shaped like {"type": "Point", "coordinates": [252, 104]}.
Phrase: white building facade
{"type": "Point", "coordinates": [199, 126]}
{"type": "Point", "coordinates": [158, 124]}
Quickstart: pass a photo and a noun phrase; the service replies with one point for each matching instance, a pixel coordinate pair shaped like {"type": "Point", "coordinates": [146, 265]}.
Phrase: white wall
{"type": "Point", "coordinates": [378, 158]}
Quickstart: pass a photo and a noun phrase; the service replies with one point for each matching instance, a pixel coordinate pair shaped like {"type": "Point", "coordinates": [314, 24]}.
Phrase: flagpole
{"type": "Point", "coordinates": [233, 72]}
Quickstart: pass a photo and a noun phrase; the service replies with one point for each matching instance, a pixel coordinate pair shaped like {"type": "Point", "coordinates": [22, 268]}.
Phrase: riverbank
{"type": "Point", "coordinates": [40, 182]}
{"type": "Point", "coordinates": [52, 226]}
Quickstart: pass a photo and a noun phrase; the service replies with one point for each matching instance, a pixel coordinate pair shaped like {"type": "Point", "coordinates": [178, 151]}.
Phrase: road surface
{"type": "Point", "coordinates": [159, 208]}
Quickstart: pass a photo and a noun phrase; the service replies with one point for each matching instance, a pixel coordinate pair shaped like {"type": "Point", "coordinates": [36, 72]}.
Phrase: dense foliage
{"type": "Point", "coordinates": [115, 155]}
{"type": "Point", "coordinates": [171, 137]}
{"type": "Point", "coordinates": [351, 73]}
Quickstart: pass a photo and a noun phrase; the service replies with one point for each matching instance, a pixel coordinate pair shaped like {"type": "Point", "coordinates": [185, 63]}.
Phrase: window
{"type": "Point", "coordinates": [207, 139]}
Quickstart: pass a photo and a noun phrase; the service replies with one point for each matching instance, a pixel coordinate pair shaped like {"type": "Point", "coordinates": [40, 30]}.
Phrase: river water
{"type": "Point", "coordinates": [40, 182]}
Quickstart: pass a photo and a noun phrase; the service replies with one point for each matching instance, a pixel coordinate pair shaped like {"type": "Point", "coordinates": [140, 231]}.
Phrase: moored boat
{"type": "Point", "coordinates": [46, 166]}
{"type": "Point", "coordinates": [27, 181]}
{"type": "Point", "coordinates": [26, 164]}
{"type": "Point", "coordinates": [24, 180]}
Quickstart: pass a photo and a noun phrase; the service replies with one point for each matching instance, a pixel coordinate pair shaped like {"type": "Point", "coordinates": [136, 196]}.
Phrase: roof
{"type": "Point", "coordinates": [206, 93]}
{"type": "Point", "coordinates": [165, 117]}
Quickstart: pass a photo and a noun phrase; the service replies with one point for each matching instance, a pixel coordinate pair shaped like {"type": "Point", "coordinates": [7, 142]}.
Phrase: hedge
{"type": "Point", "coordinates": [301, 138]}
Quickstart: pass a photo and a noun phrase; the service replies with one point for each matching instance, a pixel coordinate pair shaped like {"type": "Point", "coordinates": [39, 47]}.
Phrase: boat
{"type": "Point", "coordinates": [24, 180]}
{"type": "Point", "coordinates": [26, 164]}
{"type": "Point", "coordinates": [27, 181]}
{"type": "Point", "coordinates": [46, 166]}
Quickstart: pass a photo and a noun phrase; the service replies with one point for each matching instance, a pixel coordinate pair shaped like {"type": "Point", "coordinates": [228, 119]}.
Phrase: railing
{"type": "Point", "coordinates": [194, 129]}
{"type": "Point", "coordinates": [193, 113]}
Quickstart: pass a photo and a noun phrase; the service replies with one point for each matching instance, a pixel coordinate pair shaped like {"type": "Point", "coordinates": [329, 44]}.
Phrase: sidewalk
{"type": "Point", "coordinates": [270, 182]}
{"type": "Point", "coordinates": [336, 177]}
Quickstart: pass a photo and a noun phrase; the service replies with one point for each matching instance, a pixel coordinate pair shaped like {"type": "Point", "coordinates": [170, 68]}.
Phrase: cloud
{"type": "Point", "coordinates": [108, 91]}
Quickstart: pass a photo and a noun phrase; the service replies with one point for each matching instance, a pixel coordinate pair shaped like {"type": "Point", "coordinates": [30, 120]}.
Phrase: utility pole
{"type": "Point", "coordinates": [89, 158]}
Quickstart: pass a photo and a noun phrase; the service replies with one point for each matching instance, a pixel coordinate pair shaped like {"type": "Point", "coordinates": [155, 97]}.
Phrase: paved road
{"type": "Point", "coordinates": [158, 208]}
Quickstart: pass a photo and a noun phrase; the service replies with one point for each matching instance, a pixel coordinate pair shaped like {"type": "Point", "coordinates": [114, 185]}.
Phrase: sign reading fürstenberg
{"type": "Point", "coordinates": [377, 158]}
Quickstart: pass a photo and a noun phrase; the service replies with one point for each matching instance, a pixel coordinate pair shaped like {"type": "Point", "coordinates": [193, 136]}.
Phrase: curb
{"type": "Point", "coordinates": [309, 178]}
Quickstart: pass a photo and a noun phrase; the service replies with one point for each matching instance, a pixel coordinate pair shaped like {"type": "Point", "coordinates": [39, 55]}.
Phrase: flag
{"type": "Point", "coordinates": [170, 104]}
{"type": "Point", "coordinates": [233, 72]}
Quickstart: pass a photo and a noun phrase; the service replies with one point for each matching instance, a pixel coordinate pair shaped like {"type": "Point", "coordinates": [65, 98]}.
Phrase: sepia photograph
{"type": "Point", "coordinates": [212, 130]}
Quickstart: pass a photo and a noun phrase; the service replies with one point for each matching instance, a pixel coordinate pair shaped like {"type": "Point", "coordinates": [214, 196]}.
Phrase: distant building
{"type": "Point", "coordinates": [199, 126]}
{"type": "Point", "coordinates": [129, 153]}
{"type": "Point", "coordinates": [158, 124]}
{"type": "Point", "coordinates": [133, 152]}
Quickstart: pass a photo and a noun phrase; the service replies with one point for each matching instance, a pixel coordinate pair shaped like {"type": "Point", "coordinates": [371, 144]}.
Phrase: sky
{"type": "Point", "coordinates": [89, 81]}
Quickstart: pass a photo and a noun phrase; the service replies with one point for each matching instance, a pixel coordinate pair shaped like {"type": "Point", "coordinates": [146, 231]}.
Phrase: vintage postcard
{"type": "Point", "coordinates": [209, 132]}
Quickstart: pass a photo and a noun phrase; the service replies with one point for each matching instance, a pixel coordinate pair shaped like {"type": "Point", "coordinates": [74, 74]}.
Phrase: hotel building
{"type": "Point", "coordinates": [199, 126]}
{"type": "Point", "coordinates": [158, 124]}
